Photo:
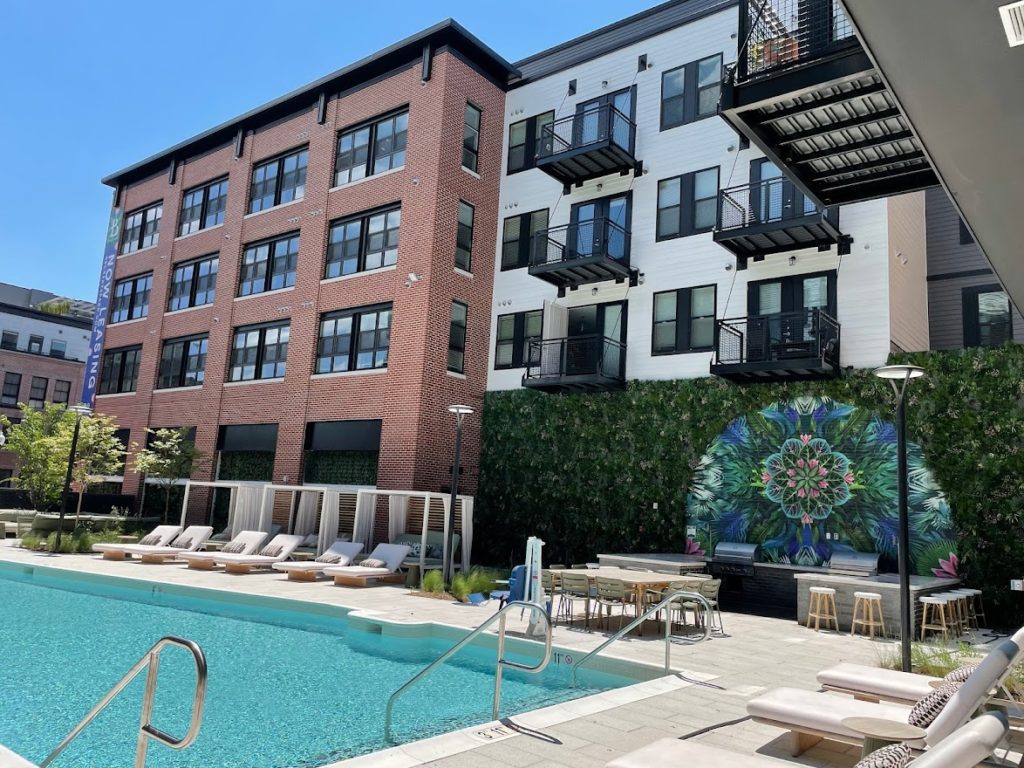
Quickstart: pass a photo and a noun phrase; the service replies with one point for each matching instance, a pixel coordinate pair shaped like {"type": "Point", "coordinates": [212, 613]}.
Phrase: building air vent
{"type": "Point", "coordinates": [1013, 22]}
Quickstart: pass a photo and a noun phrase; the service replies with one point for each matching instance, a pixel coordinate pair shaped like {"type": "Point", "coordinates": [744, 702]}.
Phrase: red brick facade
{"type": "Point", "coordinates": [411, 396]}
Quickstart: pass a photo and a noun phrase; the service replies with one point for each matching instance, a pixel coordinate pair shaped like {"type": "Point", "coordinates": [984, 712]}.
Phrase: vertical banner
{"type": "Point", "coordinates": [99, 321]}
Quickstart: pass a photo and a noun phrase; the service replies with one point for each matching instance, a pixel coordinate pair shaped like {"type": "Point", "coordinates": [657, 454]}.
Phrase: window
{"type": "Point", "coordinates": [526, 139]}
{"type": "Point", "coordinates": [120, 370]}
{"type": "Point", "coordinates": [966, 238]}
{"type": "Point", "coordinates": [37, 394]}
{"type": "Point", "coordinates": [9, 340]}
{"type": "Point", "coordinates": [131, 298]}
{"type": "Point", "coordinates": [372, 148]}
{"type": "Point", "coordinates": [684, 320]}
{"type": "Point", "coordinates": [35, 344]}
{"type": "Point", "coordinates": [269, 266]}
{"type": "Point", "coordinates": [691, 92]}
{"type": "Point", "coordinates": [259, 352]}
{"type": "Point", "coordinates": [457, 338]}
{"type": "Point", "coordinates": [988, 319]}
{"type": "Point", "coordinates": [182, 362]}
{"type": "Point", "coordinates": [363, 242]}
{"type": "Point", "coordinates": [12, 386]}
{"type": "Point", "coordinates": [517, 237]}
{"type": "Point", "coordinates": [515, 332]}
{"type": "Point", "coordinates": [354, 340]}
{"type": "Point", "coordinates": [278, 181]}
{"type": "Point", "coordinates": [58, 348]}
{"type": "Point", "coordinates": [203, 207]}
{"type": "Point", "coordinates": [687, 204]}
{"type": "Point", "coordinates": [471, 139]}
{"type": "Point", "coordinates": [61, 392]}
{"type": "Point", "coordinates": [464, 237]}
{"type": "Point", "coordinates": [193, 283]}
{"type": "Point", "coordinates": [142, 228]}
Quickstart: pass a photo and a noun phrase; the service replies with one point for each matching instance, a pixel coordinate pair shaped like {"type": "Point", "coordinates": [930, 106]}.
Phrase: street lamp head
{"type": "Point", "coordinates": [899, 372]}
{"type": "Point", "coordinates": [81, 409]}
{"type": "Point", "coordinates": [460, 410]}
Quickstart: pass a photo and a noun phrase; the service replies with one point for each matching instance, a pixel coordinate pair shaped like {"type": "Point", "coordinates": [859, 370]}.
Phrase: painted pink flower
{"type": "Point", "coordinates": [765, 477]}
{"type": "Point", "coordinates": [693, 548]}
{"type": "Point", "coordinates": [815, 493]}
{"type": "Point", "coordinates": [813, 463]}
{"type": "Point", "coordinates": [823, 484]}
{"type": "Point", "coordinates": [805, 439]}
{"type": "Point", "coordinates": [849, 479]}
{"type": "Point", "coordinates": [806, 478]}
{"type": "Point", "coordinates": [800, 463]}
{"type": "Point", "coordinates": [791, 484]}
{"type": "Point", "coordinates": [948, 568]}
{"type": "Point", "coordinates": [800, 493]}
{"type": "Point", "coordinates": [790, 472]}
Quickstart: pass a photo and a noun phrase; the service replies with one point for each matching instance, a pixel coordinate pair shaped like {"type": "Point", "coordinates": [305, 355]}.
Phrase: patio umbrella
{"type": "Point", "coordinates": [534, 591]}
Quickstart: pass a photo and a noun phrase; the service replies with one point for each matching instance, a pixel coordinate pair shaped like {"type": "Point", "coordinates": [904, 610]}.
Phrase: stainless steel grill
{"type": "Point", "coordinates": [854, 563]}
{"type": "Point", "coordinates": [734, 558]}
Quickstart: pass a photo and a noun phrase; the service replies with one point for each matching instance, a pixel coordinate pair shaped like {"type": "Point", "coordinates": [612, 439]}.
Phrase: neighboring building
{"type": "Point", "coordinates": [967, 307]}
{"type": "Point", "coordinates": [42, 355]}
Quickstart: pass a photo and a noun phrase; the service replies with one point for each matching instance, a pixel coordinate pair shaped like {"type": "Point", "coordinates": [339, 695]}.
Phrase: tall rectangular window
{"type": "Point", "coordinates": [35, 344]}
{"type": "Point", "coordinates": [12, 386]}
{"type": "Point", "coordinates": [61, 392]}
{"type": "Point", "coordinates": [517, 237]}
{"type": "Point", "coordinates": [354, 339]}
{"type": "Point", "coordinates": [457, 338]}
{"type": "Point", "coordinates": [371, 148]}
{"type": "Point", "coordinates": [684, 320]}
{"type": "Point", "coordinates": [363, 242]}
{"type": "Point", "coordinates": [526, 139]}
{"type": "Point", "coordinates": [471, 139]}
{"type": "Point", "coordinates": [131, 298]}
{"type": "Point", "coordinates": [120, 370]}
{"type": "Point", "coordinates": [182, 362]}
{"type": "Point", "coordinates": [279, 181]}
{"type": "Point", "coordinates": [259, 352]}
{"type": "Point", "coordinates": [269, 266]}
{"type": "Point", "coordinates": [142, 228]}
{"type": "Point", "coordinates": [58, 348]}
{"type": "Point", "coordinates": [691, 92]}
{"type": "Point", "coordinates": [193, 283]}
{"type": "Point", "coordinates": [988, 318]}
{"type": "Point", "coordinates": [464, 237]}
{"type": "Point", "coordinates": [687, 204]}
{"type": "Point", "coordinates": [9, 340]}
{"type": "Point", "coordinates": [203, 207]}
{"type": "Point", "coordinates": [37, 393]}
{"type": "Point", "coordinates": [515, 332]}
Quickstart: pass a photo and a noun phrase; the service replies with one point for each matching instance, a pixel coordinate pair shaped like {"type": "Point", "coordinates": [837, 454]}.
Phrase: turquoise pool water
{"type": "Point", "coordinates": [285, 688]}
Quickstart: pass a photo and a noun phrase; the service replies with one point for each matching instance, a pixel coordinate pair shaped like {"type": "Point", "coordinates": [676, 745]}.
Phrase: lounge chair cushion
{"type": "Point", "coordinates": [821, 712]}
{"type": "Point", "coordinates": [271, 550]}
{"type": "Point", "coordinates": [960, 674]}
{"type": "Point", "coordinates": [892, 756]}
{"type": "Point", "coordinates": [927, 709]}
{"type": "Point", "coordinates": [333, 558]}
{"type": "Point", "coordinates": [234, 548]}
{"type": "Point", "coordinates": [373, 562]}
{"type": "Point", "coordinates": [151, 540]}
{"type": "Point", "coordinates": [884, 683]}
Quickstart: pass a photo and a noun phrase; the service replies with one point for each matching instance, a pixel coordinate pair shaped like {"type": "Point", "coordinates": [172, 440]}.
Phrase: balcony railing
{"type": "Point", "coordinates": [583, 252]}
{"type": "Point", "coordinates": [786, 345]}
{"type": "Point", "coordinates": [576, 364]}
{"type": "Point", "coordinates": [591, 143]}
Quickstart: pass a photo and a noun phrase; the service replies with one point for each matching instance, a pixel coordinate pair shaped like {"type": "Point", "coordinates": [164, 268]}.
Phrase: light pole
{"type": "Point", "coordinates": [899, 376]}
{"type": "Point", "coordinates": [79, 411]}
{"type": "Point", "coordinates": [461, 412]}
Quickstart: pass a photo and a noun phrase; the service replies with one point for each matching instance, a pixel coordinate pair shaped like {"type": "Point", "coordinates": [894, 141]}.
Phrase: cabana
{"type": "Point", "coordinates": [398, 515]}
{"type": "Point", "coordinates": [245, 512]}
{"type": "Point", "coordinates": [302, 519]}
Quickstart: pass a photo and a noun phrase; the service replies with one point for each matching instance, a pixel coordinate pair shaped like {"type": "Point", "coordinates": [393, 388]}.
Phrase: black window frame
{"type": "Point", "coordinates": [138, 298]}
{"type": "Point", "coordinates": [124, 362]}
{"type": "Point", "coordinates": [687, 204]}
{"type": "Point", "coordinates": [357, 335]}
{"type": "Point", "coordinates": [971, 319]}
{"type": "Point", "coordinates": [37, 392]}
{"type": "Point", "coordinates": [270, 273]}
{"type": "Point", "coordinates": [689, 99]}
{"type": "Point", "coordinates": [146, 234]}
{"type": "Point", "coordinates": [336, 251]}
{"type": "Point", "coordinates": [471, 137]}
{"type": "Point", "coordinates": [12, 383]}
{"type": "Point", "coordinates": [533, 137]}
{"type": "Point", "coordinates": [9, 340]}
{"type": "Point", "coordinates": [683, 321]}
{"type": "Point", "coordinates": [520, 341]}
{"type": "Point", "coordinates": [172, 373]}
{"type": "Point", "coordinates": [202, 207]}
{"type": "Point", "coordinates": [372, 128]}
{"type": "Point", "coordinates": [261, 351]}
{"type": "Point", "coordinates": [63, 352]}
{"type": "Point", "coordinates": [457, 336]}
{"type": "Point", "coordinates": [524, 240]}
{"type": "Point", "coordinates": [61, 389]}
{"type": "Point", "coordinates": [278, 162]}
{"type": "Point", "coordinates": [35, 344]}
{"type": "Point", "coordinates": [464, 237]}
{"type": "Point", "coordinates": [192, 267]}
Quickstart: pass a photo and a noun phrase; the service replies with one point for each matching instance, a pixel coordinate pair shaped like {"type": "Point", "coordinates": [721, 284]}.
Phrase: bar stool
{"type": "Point", "coordinates": [975, 606]}
{"type": "Point", "coordinates": [864, 606]}
{"type": "Point", "coordinates": [957, 611]}
{"type": "Point", "coordinates": [937, 604]}
{"type": "Point", "coordinates": [821, 604]}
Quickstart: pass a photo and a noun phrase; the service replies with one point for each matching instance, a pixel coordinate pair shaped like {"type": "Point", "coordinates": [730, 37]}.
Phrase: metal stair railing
{"type": "Point", "coordinates": [501, 663]}
{"type": "Point", "coordinates": [675, 596]}
{"type": "Point", "coordinates": [147, 731]}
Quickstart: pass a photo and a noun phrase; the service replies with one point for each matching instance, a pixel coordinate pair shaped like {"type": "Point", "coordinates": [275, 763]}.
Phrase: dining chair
{"type": "Point", "coordinates": [575, 586]}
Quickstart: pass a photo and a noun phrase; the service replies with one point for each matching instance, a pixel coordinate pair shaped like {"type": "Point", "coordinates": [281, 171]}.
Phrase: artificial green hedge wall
{"type": "Point", "coordinates": [583, 471]}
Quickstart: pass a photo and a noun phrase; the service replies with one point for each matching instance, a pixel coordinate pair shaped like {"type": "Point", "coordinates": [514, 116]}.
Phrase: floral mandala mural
{"type": "Point", "coordinates": [811, 476]}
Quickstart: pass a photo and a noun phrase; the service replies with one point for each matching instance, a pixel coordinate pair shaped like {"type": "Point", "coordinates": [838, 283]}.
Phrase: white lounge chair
{"type": "Point", "coordinates": [189, 540]}
{"type": "Point", "coordinates": [964, 748]}
{"type": "Point", "coordinates": [308, 570]}
{"type": "Point", "coordinates": [277, 550]}
{"type": "Point", "coordinates": [158, 538]}
{"type": "Point", "coordinates": [359, 575]}
{"type": "Point", "coordinates": [812, 716]}
{"type": "Point", "coordinates": [247, 543]}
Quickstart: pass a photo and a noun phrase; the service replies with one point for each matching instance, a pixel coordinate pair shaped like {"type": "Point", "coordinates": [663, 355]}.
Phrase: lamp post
{"type": "Point", "coordinates": [461, 412]}
{"type": "Point", "coordinates": [899, 376]}
{"type": "Point", "coordinates": [79, 411]}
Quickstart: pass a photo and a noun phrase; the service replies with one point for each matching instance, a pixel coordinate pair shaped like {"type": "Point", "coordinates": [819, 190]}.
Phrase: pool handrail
{"type": "Point", "coordinates": [147, 731]}
{"type": "Point", "coordinates": [501, 663]}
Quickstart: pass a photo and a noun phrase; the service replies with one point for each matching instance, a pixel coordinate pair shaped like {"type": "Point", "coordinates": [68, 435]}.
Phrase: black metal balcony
{"type": "Point", "coordinates": [772, 216]}
{"type": "Point", "coordinates": [590, 251]}
{"type": "Point", "coordinates": [576, 364]}
{"type": "Point", "coordinates": [806, 93]}
{"type": "Point", "coordinates": [789, 346]}
{"type": "Point", "coordinates": [593, 142]}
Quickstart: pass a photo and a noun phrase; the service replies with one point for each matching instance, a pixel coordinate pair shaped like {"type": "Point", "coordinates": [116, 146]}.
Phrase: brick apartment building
{"type": "Point", "coordinates": [309, 285]}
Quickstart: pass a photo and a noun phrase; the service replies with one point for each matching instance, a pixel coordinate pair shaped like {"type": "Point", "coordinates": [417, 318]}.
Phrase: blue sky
{"type": "Point", "coordinates": [90, 87]}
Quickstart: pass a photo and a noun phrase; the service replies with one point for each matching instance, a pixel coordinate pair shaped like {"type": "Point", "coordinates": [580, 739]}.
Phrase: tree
{"type": "Point", "coordinates": [170, 456]}
{"type": "Point", "coordinates": [39, 444]}
{"type": "Point", "coordinates": [100, 453]}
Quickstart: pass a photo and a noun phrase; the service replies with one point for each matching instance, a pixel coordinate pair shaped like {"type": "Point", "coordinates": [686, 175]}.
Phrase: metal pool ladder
{"type": "Point", "coordinates": [675, 596]}
{"type": "Point", "coordinates": [501, 663]}
{"type": "Point", "coordinates": [147, 731]}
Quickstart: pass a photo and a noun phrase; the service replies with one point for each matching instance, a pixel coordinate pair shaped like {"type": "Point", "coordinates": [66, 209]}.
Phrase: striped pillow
{"type": "Point", "coordinates": [927, 709]}
{"type": "Point", "coordinates": [332, 558]}
{"type": "Point", "coordinates": [272, 550]}
{"type": "Point", "coordinates": [150, 541]}
{"type": "Point", "coordinates": [234, 548]}
{"type": "Point", "coordinates": [182, 542]}
{"type": "Point", "coordinates": [372, 562]}
{"type": "Point", "coordinates": [960, 674]}
{"type": "Point", "coordinates": [892, 756]}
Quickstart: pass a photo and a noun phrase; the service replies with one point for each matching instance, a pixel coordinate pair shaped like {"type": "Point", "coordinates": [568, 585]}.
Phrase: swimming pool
{"type": "Point", "coordinates": [290, 684]}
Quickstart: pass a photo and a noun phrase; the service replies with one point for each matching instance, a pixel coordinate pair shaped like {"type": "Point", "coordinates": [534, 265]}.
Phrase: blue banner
{"type": "Point", "coordinates": [99, 322]}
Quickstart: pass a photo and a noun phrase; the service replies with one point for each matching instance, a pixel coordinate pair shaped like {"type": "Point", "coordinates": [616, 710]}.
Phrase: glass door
{"type": "Point", "coordinates": [601, 227]}
{"type": "Point", "coordinates": [592, 122]}
{"type": "Point", "coordinates": [783, 321]}
{"type": "Point", "coordinates": [613, 332]}
{"type": "Point", "coordinates": [771, 192]}
{"type": "Point", "coordinates": [597, 337]}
